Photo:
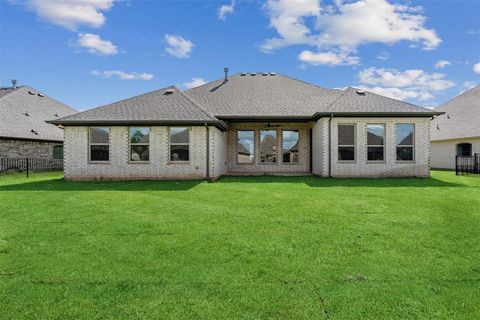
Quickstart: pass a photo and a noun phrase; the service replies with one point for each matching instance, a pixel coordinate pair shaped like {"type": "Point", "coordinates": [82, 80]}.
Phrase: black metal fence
{"type": "Point", "coordinates": [30, 164]}
{"type": "Point", "coordinates": [467, 164]}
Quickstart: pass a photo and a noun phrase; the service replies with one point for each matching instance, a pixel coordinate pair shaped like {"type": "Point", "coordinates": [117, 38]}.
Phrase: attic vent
{"type": "Point", "coordinates": [438, 128]}
{"type": "Point", "coordinates": [448, 116]}
{"type": "Point", "coordinates": [56, 115]}
{"type": "Point", "coordinates": [243, 74]}
{"type": "Point", "coordinates": [361, 92]}
{"type": "Point", "coordinates": [34, 132]}
{"type": "Point", "coordinates": [26, 114]}
{"type": "Point", "coordinates": [264, 73]}
{"type": "Point", "coordinates": [41, 95]}
{"type": "Point", "coordinates": [31, 92]}
{"type": "Point", "coordinates": [253, 73]}
{"type": "Point", "coordinates": [169, 91]}
{"type": "Point", "coordinates": [273, 74]}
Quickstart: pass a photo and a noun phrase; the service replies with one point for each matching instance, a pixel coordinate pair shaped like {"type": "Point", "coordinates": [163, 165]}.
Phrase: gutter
{"type": "Point", "coordinates": [330, 145]}
{"type": "Point", "coordinates": [207, 176]}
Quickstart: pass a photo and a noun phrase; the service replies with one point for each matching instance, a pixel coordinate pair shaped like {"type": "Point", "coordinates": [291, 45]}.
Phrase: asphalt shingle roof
{"type": "Point", "coordinates": [164, 105]}
{"type": "Point", "coordinates": [14, 103]}
{"type": "Point", "coordinates": [244, 96]}
{"type": "Point", "coordinates": [461, 118]}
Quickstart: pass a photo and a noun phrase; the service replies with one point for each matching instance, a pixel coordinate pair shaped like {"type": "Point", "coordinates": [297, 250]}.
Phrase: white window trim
{"type": "Point", "coordinates": [401, 145]}
{"type": "Point", "coordinates": [260, 149]}
{"type": "Point", "coordinates": [170, 161]}
{"type": "Point", "coordinates": [236, 148]}
{"type": "Point", "coordinates": [98, 144]}
{"type": "Point", "coordinates": [298, 142]}
{"type": "Point", "coordinates": [377, 145]}
{"type": "Point", "coordinates": [130, 144]}
{"type": "Point", "coordinates": [347, 145]}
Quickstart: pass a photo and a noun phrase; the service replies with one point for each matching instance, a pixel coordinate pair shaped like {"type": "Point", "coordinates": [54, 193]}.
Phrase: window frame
{"type": "Point", "coordinates": [98, 144]}
{"type": "Point", "coordinates": [401, 145]}
{"type": "Point", "coordinates": [138, 144]}
{"type": "Point", "coordinates": [170, 161]}
{"type": "Point", "coordinates": [345, 145]}
{"type": "Point", "coordinates": [254, 147]}
{"type": "Point", "coordinates": [298, 143]}
{"type": "Point", "coordinates": [377, 145]}
{"type": "Point", "coordinates": [260, 147]}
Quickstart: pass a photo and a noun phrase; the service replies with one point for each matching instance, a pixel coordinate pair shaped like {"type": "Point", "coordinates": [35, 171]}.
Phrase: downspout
{"type": "Point", "coordinates": [330, 145]}
{"type": "Point", "coordinates": [208, 151]}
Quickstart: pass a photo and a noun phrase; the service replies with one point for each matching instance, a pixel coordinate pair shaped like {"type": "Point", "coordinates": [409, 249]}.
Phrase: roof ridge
{"type": "Point", "coordinates": [210, 82]}
{"type": "Point", "coordinates": [123, 100]}
{"type": "Point", "coordinates": [197, 105]}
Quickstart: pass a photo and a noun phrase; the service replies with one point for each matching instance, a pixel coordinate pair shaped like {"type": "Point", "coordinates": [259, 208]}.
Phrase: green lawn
{"type": "Point", "coordinates": [249, 248]}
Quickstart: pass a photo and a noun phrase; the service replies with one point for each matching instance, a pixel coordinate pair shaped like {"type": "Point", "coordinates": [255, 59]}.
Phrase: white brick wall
{"type": "Point", "coordinates": [78, 167]}
{"type": "Point", "coordinates": [361, 167]}
{"type": "Point", "coordinates": [257, 167]}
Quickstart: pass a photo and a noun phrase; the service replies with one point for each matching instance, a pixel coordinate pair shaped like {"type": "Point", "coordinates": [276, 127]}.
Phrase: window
{"type": "Point", "coordinates": [405, 141]}
{"type": "Point", "coordinates": [375, 142]}
{"type": "Point", "coordinates": [179, 144]}
{"type": "Point", "coordinates": [464, 149]}
{"type": "Point", "coordinates": [57, 152]}
{"type": "Point", "coordinates": [139, 144]}
{"type": "Point", "coordinates": [99, 140]}
{"type": "Point", "coordinates": [290, 146]}
{"type": "Point", "coordinates": [346, 142]}
{"type": "Point", "coordinates": [268, 146]}
{"type": "Point", "coordinates": [245, 146]}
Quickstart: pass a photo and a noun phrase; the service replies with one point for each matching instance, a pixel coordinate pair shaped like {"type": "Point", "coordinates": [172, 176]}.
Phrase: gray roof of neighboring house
{"type": "Point", "coordinates": [164, 106]}
{"type": "Point", "coordinates": [16, 103]}
{"type": "Point", "coordinates": [244, 96]}
{"type": "Point", "coordinates": [461, 118]}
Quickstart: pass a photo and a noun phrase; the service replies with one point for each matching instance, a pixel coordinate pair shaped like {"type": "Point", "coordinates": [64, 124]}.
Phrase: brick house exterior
{"type": "Point", "coordinates": [249, 124]}
{"type": "Point", "coordinates": [23, 130]}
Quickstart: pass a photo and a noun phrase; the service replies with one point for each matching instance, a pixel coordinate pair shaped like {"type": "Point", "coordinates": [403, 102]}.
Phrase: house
{"type": "Point", "coordinates": [23, 130]}
{"type": "Point", "coordinates": [457, 131]}
{"type": "Point", "coordinates": [249, 123]}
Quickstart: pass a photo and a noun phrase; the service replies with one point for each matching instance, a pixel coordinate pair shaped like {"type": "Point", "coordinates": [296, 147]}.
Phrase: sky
{"type": "Point", "coordinates": [87, 53]}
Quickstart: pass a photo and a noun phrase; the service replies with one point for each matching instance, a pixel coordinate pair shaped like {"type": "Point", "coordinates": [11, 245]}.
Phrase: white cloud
{"type": "Point", "coordinates": [346, 25]}
{"type": "Point", "coordinates": [383, 55]}
{"type": "Point", "coordinates": [327, 58]}
{"type": "Point", "coordinates": [225, 10]}
{"type": "Point", "coordinates": [96, 45]}
{"type": "Point", "coordinates": [399, 94]}
{"type": "Point", "coordinates": [123, 75]}
{"type": "Point", "coordinates": [70, 14]}
{"type": "Point", "coordinates": [194, 83]}
{"type": "Point", "coordinates": [476, 68]}
{"type": "Point", "coordinates": [416, 85]}
{"type": "Point", "coordinates": [442, 64]}
{"type": "Point", "coordinates": [409, 78]}
{"type": "Point", "coordinates": [178, 46]}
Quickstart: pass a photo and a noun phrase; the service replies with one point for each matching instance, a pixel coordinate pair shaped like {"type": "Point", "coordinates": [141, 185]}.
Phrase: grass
{"type": "Point", "coordinates": [242, 247]}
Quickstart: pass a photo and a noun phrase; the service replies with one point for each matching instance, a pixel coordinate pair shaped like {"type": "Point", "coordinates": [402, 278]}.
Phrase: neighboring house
{"type": "Point", "coordinates": [457, 131]}
{"type": "Point", "coordinates": [250, 123]}
{"type": "Point", "coordinates": [23, 130]}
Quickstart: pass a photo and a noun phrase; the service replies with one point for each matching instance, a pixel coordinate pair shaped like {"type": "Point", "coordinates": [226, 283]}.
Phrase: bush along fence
{"type": "Point", "coordinates": [30, 164]}
{"type": "Point", "coordinates": [467, 164]}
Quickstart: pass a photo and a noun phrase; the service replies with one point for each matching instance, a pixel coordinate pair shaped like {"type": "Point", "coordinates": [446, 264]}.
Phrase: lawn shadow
{"type": "Point", "coordinates": [139, 185]}
{"type": "Point", "coordinates": [318, 182]}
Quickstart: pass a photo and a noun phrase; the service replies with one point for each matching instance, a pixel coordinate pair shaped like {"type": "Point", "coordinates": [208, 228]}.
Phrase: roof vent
{"type": "Point", "coordinates": [14, 84]}
{"type": "Point", "coordinates": [56, 115]}
{"type": "Point", "coordinates": [448, 116]}
{"type": "Point", "coordinates": [41, 95]}
{"type": "Point", "coordinates": [243, 74]}
{"type": "Point", "coordinates": [361, 92]}
{"type": "Point", "coordinates": [26, 114]}
{"type": "Point", "coordinates": [438, 128]}
{"type": "Point", "coordinates": [273, 74]}
{"type": "Point", "coordinates": [169, 91]}
{"type": "Point", "coordinates": [264, 73]}
{"type": "Point", "coordinates": [253, 73]}
{"type": "Point", "coordinates": [31, 92]}
{"type": "Point", "coordinates": [34, 132]}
